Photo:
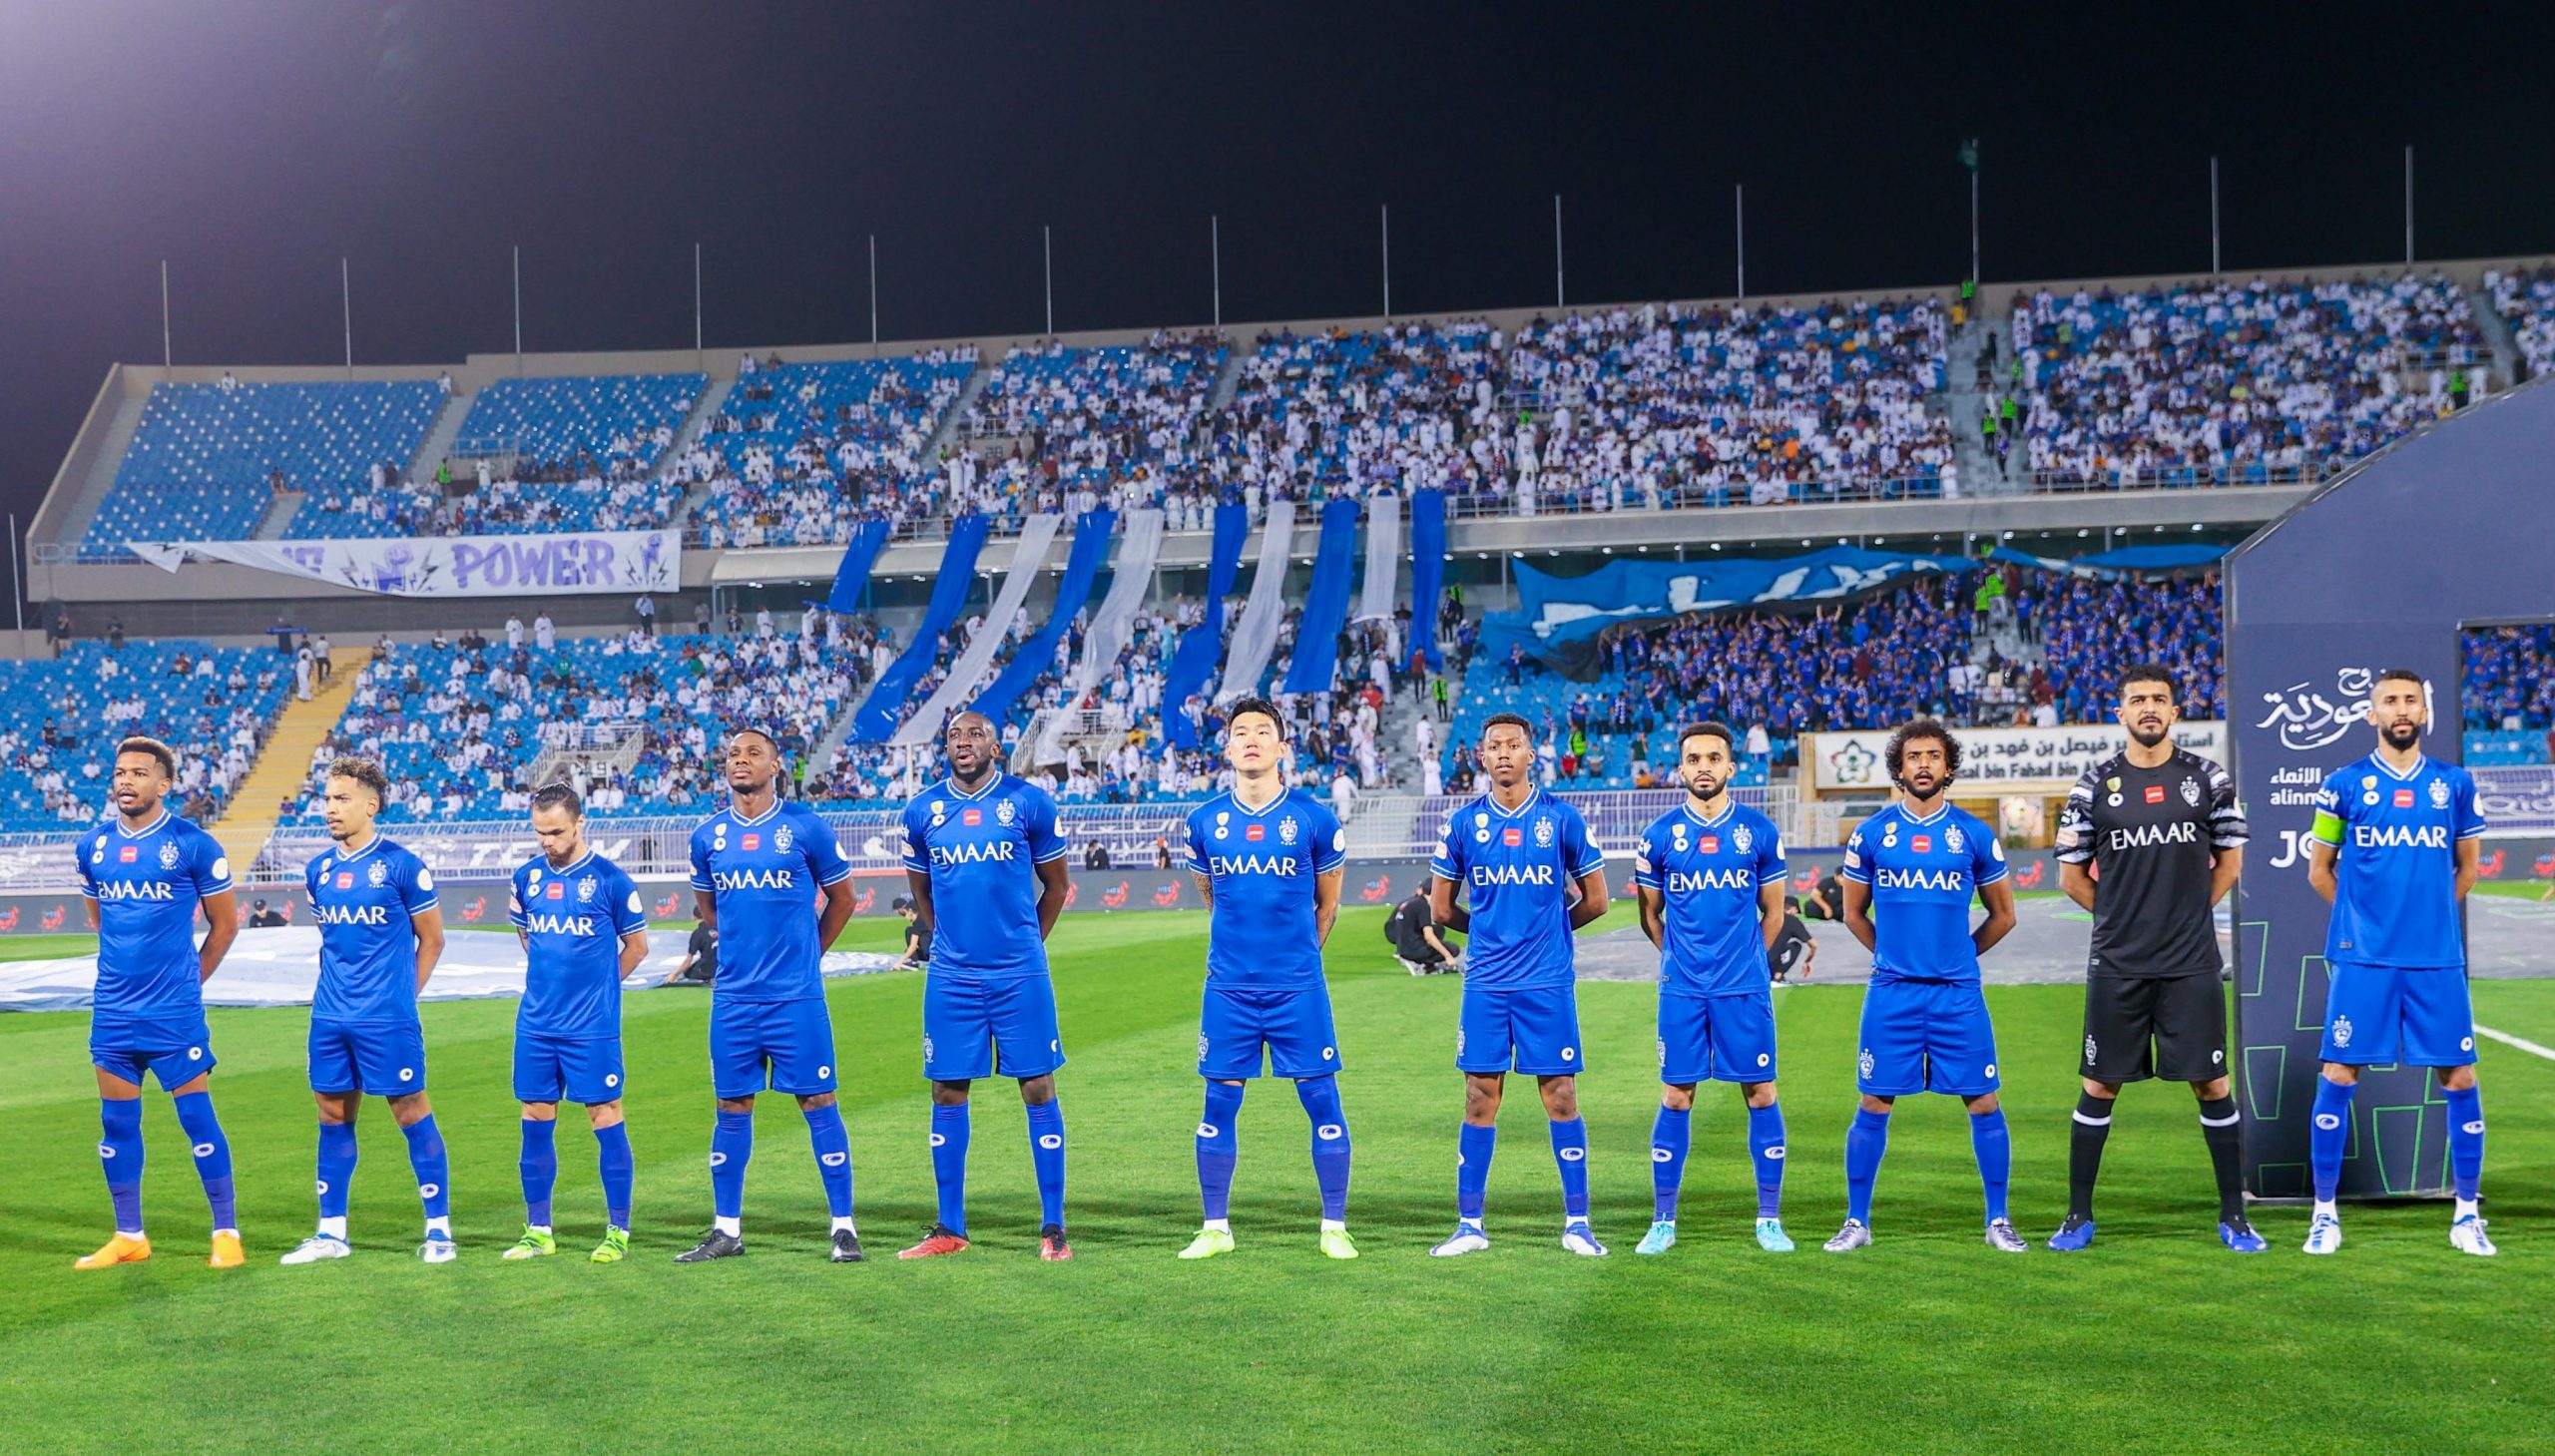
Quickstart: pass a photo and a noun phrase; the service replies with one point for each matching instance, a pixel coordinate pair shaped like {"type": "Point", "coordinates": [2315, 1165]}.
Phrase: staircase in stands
{"type": "Point", "coordinates": [284, 765]}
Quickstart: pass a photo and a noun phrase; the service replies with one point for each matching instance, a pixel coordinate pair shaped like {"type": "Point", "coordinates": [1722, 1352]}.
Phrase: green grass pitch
{"type": "Point", "coordinates": [2155, 1341]}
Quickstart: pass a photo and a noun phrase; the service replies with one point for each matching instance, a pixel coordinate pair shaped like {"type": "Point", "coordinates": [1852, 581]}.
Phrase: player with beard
{"type": "Point", "coordinates": [1710, 874]}
{"type": "Point", "coordinates": [768, 879]}
{"type": "Point", "coordinates": [984, 842]}
{"type": "Point", "coordinates": [2150, 841]}
{"type": "Point", "coordinates": [2396, 848]}
{"type": "Point", "coordinates": [1921, 864]}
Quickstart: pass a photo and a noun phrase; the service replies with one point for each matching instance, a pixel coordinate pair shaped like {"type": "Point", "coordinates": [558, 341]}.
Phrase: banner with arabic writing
{"type": "Point", "coordinates": [2010, 759]}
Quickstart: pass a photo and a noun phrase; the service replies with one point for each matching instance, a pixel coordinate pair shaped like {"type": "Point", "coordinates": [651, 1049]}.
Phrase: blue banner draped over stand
{"type": "Point", "coordinates": [1427, 572]}
{"type": "Point", "coordinates": [876, 721]}
{"type": "Point", "coordinates": [851, 577]}
{"type": "Point", "coordinates": [1037, 653]}
{"type": "Point", "coordinates": [1316, 655]}
{"type": "Point", "coordinates": [1200, 646]}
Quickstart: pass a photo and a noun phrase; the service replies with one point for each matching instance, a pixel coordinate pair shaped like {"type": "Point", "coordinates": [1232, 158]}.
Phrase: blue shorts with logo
{"type": "Point", "coordinates": [1532, 1030]}
{"type": "Point", "coordinates": [1716, 1038]}
{"type": "Point", "coordinates": [787, 1046]}
{"type": "Point", "coordinates": [2376, 1016]}
{"type": "Point", "coordinates": [967, 1022]}
{"type": "Point", "coordinates": [1926, 1036]}
{"type": "Point", "coordinates": [1292, 1022]}
{"type": "Point", "coordinates": [567, 1069]}
{"type": "Point", "coordinates": [176, 1049]}
{"type": "Point", "coordinates": [385, 1060]}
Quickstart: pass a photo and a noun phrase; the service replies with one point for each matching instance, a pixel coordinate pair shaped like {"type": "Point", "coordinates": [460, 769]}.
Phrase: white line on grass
{"type": "Point", "coordinates": [2523, 1043]}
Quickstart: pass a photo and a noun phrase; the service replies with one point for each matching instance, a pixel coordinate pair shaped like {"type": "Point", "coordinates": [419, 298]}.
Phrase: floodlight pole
{"type": "Point", "coordinates": [1559, 293]}
{"type": "Point", "coordinates": [2213, 218]}
{"type": "Point", "coordinates": [1386, 211]}
{"type": "Point", "coordinates": [168, 359]}
{"type": "Point", "coordinates": [1047, 252]}
{"type": "Point", "coordinates": [695, 305]}
{"type": "Point", "coordinates": [1739, 220]}
{"type": "Point", "coordinates": [347, 304]}
{"type": "Point", "coordinates": [873, 292]}
{"type": "Point", "coordinates": [2408, 207]}
{"type": "Point", "coordinates": [518, 249]}
{"type": "Point", "coordinates": [1215, 263]}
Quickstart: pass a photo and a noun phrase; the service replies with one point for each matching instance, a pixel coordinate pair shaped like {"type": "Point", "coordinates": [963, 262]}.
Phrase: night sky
{"type": "Point", "coordinates": [252, 143]}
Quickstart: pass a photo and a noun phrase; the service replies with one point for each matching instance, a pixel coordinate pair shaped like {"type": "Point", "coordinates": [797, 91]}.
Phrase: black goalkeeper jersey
{"type": "Point", "coordinates": [2150, 834]}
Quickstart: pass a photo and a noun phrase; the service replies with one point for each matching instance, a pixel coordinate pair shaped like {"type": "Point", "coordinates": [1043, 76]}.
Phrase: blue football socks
{"type": "Point", "coordinates": [539, 1165]}
{"type": "Point", "coordinates": [949, 1129]}
{"type": "Point", "coordinates": [1047, 1157]}
{"type": "Point", "coordinates": [1865, 1142]}
{"type": "Point", "coordinates": [1219, 1146]}
{"type": "Point", "coordinates": [119, 1153]}
{"type": "Point", "coordinates": [732, 1146]}
{"type": "Point", "coordinates": [1669, 1135]}
{"type": "Point", "coordinates": [830, 1141]}
{"type": "Point", "coordinates": [1570, 1154]}
{"type": "Point", "coordinates": [1473, 1150]}
{"type": "Point", "coordinates": [1766, 1149]}
{"type": "Point", "coordinates": [213, 1156]}
{"type": "Point", "coordinates": [1321, 1097]}
{"type": "Point", "coordinates": [614, 1161]}
{"type": "Point", "coordinates": [1994, 1148]}
{"type": "Point", "coordinates": [2328, 1133]}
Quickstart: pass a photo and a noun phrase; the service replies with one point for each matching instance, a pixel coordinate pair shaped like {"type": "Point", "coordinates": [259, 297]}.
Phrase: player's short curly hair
{"type": "Point", "coordinates": [1923, 728]}
{"type": "Point", "coordinates": [1516, 719]}
{"type": "Point", "coordinates": [364, 771]}
{"type": "Point", "coordinates": [2150, 673]}
{"type": "Point", "coordinates": [143, 743]}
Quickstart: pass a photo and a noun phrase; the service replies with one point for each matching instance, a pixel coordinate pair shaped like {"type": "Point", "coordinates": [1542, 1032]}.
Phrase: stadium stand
{"type": "Point", "coordinates": [2218, 382]}
{"type": "Point", "coordinates": [1322, 416]}
{"type": "Point", "coordinates": [60, 720]}
{"type": "Point", "coordinates": [1071, 429]}
{"type": "Point", "coordinates": [2525, 299]}
{"type": "Point", "coordinates": [799, 454]}
{"type": "Point", "coordinates": [207, 459]}
{"type": "Point", "coordinates": [2089, 631]}
{"type": "Point", "coordinates": [460, 728]}
{"type": "Point", "coordinates": [503, 508]}
{"type": "Point", "coordinates": [577, 426]}
{"type": "Point", "coordinates": [2509, 695]}
{"type": "Point", "coordinates": [1678, 406]}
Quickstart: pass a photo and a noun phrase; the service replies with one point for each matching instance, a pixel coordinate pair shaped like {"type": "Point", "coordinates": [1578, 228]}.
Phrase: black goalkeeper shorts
{"type": "Point", "coordinates": [2141, 1027]}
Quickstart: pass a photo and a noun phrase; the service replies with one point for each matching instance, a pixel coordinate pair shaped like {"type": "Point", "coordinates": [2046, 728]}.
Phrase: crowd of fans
{"type": "Point", "coordinates": [59, 722]}
{"type": "Point", "coordinates": [799, 455]}
{"type": "Point", "coordinates": [2525, 299]}
{"type": "Point", "coordinates": [2509, 678]}
{"type": "Point", "coordinates": [2211, 381]}
{"type": "Point", "coordinates": [2089, 631]}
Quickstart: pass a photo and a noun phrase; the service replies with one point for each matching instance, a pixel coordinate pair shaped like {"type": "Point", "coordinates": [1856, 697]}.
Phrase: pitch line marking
{"type": "Point", "coordinates": [2523, 1043]}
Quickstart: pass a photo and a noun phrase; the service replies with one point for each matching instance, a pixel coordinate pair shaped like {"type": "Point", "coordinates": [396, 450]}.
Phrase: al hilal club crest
{"type": "Point", "coordinates": [168, 856]}
{"type": "Point", "coordinates": [2191, 793]}
{"type": "Point", "coordinates": [378, 875]}
{"type": "Point", "coordinates": [2439, 794]}
{"type": "Point", "coordinates": [1740, 837]}
{"type": "Point", "coordinates": [586, 888]}
{"type": "Point", "coordinates": [1286, 830]}
{"type": "Point", "coordinates": [780, 839]}
{"type": "Point", "coordinates": [1952, 838]}
{"type": "Point", "coordinates": [1003, 814]}
{"type": "Point", "coordinates": [1543, 833]}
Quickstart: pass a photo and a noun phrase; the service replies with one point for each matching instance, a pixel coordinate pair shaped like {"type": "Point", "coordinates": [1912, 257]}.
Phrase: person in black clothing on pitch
{"type": "Point", "coordinates": [2150, 843]}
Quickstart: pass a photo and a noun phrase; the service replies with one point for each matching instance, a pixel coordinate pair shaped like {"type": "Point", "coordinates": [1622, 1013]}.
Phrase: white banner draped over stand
{"type": "Point", "coordinates": [1037, 536]}
{"type": "Point", "coordinates": [1256, 635]}
{"type": "Point", "coordinates": [454, 566]}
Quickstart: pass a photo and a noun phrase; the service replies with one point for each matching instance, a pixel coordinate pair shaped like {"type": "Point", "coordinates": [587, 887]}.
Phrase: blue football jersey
{"type": "Point", "coordinates": [1925, 875]}
{"type": "Point", "coordinates": [146, 887]}
{"type": "Point", "coordinates": [365, 903]}
{"type": "Point", "coordinates": [1262, 865]}
{"type": "Point", "coordinates": [764, 873]}
{"type": "Point", "coordinates": [1520, 869]}
{"type": "Point", "coordinates": [982, 851]}
{"type": "Point", "coordinates": [2395, 869]}
{"type": "Point", "coordinates": [572, 919]}
{"type": "Point", "coordinates": [1708, 873]}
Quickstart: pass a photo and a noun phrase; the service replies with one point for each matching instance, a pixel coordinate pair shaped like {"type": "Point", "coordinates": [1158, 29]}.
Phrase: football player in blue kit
{"type": "Point", "coordinates": [1710, 874]}
{"type": "Point", "coordinates": [985, 843]}
{"type": "Point", "coordinates": [381, 934]}
{"type": "Point", "coordinates": [1531, 880]}
{"type": "Point", "coordinates": [1921, 864]}
{"type": "Point", "coordinates": [768, 879]}
{"type": "Point", "coordinates": [1267, 860]}
{"type": "Point", "coordinates": [145, 873]}
{"type": "Point", "coordinates": [2395, 847]}
{"type": "Point", "coordinates": [583, 929]}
